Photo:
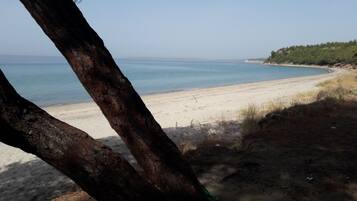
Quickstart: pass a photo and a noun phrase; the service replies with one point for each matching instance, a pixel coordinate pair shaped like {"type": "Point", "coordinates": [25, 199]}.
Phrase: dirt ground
{"type": "Point", "coordinates": [306, 152]}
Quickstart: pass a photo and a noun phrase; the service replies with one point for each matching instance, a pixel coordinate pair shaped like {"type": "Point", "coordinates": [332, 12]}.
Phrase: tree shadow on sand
{"type": "Point", "coordinates": [36, 180]}
{"type": "Point", "coordinates": [33, 180]}
{"type": "Point", "coordinates": [306, 152]}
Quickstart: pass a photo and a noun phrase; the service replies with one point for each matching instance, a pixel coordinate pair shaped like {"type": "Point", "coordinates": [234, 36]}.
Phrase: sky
{"type": "Point", "coordinates": [206, 29]}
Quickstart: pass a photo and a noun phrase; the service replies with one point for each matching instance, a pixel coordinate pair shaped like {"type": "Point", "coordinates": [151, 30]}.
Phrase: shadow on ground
{"type": "Point", "coordinates": [36, 180]}
{"type": "Point", "coordinates": [306, 152]}
{"type": "Point", "coordinates": [301, 153]}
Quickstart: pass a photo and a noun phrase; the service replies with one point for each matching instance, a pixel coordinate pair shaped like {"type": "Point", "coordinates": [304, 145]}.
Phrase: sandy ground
{"type": "Point", "coordinates": [171, 110]}
{"type": "Point", "coordinates": [178, 109]}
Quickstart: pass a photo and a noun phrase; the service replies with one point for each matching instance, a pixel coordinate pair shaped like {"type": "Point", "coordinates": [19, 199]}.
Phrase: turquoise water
{"type": "Point", "coordinates": [48, 83]}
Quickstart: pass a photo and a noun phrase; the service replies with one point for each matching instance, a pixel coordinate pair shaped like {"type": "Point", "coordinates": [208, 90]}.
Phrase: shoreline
{"type": "Point", "coordinates": [290, 65]}
{"type": "Point", "coordinates": [190, 89]}
{"type": "Point", "coordinates": [329, 70]}
{"type": "Point", "coordinates": [195, 106]}
{"type": "Point", "coordinates": [300, 66]}
{"type": "Point", "coordinates": [186, 109]}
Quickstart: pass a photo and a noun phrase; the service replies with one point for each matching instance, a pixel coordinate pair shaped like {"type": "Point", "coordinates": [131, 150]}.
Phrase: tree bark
{"type": "Point", "coordinates": [102, 173]}
{"type": "Point", "coordinates": [162, 162]}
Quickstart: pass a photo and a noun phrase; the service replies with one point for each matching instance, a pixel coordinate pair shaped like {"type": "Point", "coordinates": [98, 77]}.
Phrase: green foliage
{"type": "Point", "coordinates": [323, 54]}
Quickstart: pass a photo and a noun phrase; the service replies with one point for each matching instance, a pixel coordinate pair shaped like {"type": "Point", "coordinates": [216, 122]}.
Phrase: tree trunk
{"type": "Point", "coordinates": [162, 162]}
{"type": "Point", "coordinates": [93, 166]}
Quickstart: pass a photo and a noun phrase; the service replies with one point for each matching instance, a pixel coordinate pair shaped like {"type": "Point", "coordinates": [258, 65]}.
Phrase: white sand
{"type": "Point", "coordinates": [170, 110]}
{"type": "Point", "coordinates": [197, 106]}
{"type": "Point", "coordinates": [178, 109]}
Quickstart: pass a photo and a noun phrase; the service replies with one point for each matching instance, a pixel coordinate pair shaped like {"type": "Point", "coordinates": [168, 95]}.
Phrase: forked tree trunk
{"type": "Point", "coordinates": [96, 168]}
{"type": "Point", "coordinates": [162, 162]}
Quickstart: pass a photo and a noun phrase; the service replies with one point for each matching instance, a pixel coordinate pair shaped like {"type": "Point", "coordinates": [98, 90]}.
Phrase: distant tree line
{"type": "Point", "coordinates": [331, 53]}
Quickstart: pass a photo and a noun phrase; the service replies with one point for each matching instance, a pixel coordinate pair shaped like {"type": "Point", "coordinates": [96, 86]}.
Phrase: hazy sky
{"type": "Point", "coordinates": [215, 29]}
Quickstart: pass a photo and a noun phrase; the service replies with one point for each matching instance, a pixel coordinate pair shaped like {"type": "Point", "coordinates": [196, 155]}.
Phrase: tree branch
{"type": "Point", "coordinates": [102, 173]}
{"type": "Point", "coordinates": [162, 162]}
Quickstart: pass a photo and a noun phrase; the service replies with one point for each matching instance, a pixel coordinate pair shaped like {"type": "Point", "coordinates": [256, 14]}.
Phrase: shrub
{"type": "Point", "coordinates": [250, 119]}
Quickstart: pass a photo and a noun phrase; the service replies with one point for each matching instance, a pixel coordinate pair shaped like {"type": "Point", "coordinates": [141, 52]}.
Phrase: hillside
{"type": "Point", "coordinates": [331, 54]}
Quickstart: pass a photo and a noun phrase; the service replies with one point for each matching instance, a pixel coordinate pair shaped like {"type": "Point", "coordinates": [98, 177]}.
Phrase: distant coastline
{"type": "Point", "coordinates": [253, 61]}
{"type": "Point", "coordinates": [59, 85]}
{"type": "Point", "coordinates": [331, 54]}
{"type": "Point", "coordinates": [330, 69]}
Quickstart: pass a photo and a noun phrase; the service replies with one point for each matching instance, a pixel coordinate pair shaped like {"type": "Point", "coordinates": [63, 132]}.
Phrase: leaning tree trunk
{"type": "Point", "coordinates": [162, 162]}
{"type": "Point", "coordinates": [102, 173]}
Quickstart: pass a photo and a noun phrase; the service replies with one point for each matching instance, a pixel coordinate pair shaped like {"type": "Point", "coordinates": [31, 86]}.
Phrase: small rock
{"type": "Point", "coordinates": [309, 179]}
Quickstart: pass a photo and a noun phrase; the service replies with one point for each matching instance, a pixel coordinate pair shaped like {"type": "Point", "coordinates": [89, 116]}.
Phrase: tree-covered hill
{"type": "Point", "coordinates": [332, 54]}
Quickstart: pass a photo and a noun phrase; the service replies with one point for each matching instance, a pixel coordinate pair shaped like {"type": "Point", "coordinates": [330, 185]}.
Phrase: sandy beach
{"type": "Point", "coordinates": [178, 109]}
{"type": "Point", "coordinates": [171, 110]}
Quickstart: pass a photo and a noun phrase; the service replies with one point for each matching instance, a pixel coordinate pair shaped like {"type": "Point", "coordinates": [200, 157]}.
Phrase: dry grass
{"type": "Point", "coordinates": [304, 98]}
{"type": "Point", "coordinates": [346, 80]}
{"type": "Point", "coordinates": [304, 152]}
{"type": "Point", "coordinates": [275, 105]}
{"type": "Point", "coordinates": [250, 119]}
{"type": "Point", "coordinates": [341, 88]}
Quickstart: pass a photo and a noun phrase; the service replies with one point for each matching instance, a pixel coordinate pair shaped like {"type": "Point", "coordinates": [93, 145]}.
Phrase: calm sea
{"type": "Point", "coordinates": [50, 82]}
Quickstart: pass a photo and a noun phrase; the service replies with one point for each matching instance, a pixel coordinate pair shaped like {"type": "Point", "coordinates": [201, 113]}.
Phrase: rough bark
{"type": "Point", "coordinates": [93, 166]}
{"type": "Point", "coordinates": [162, 162]}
